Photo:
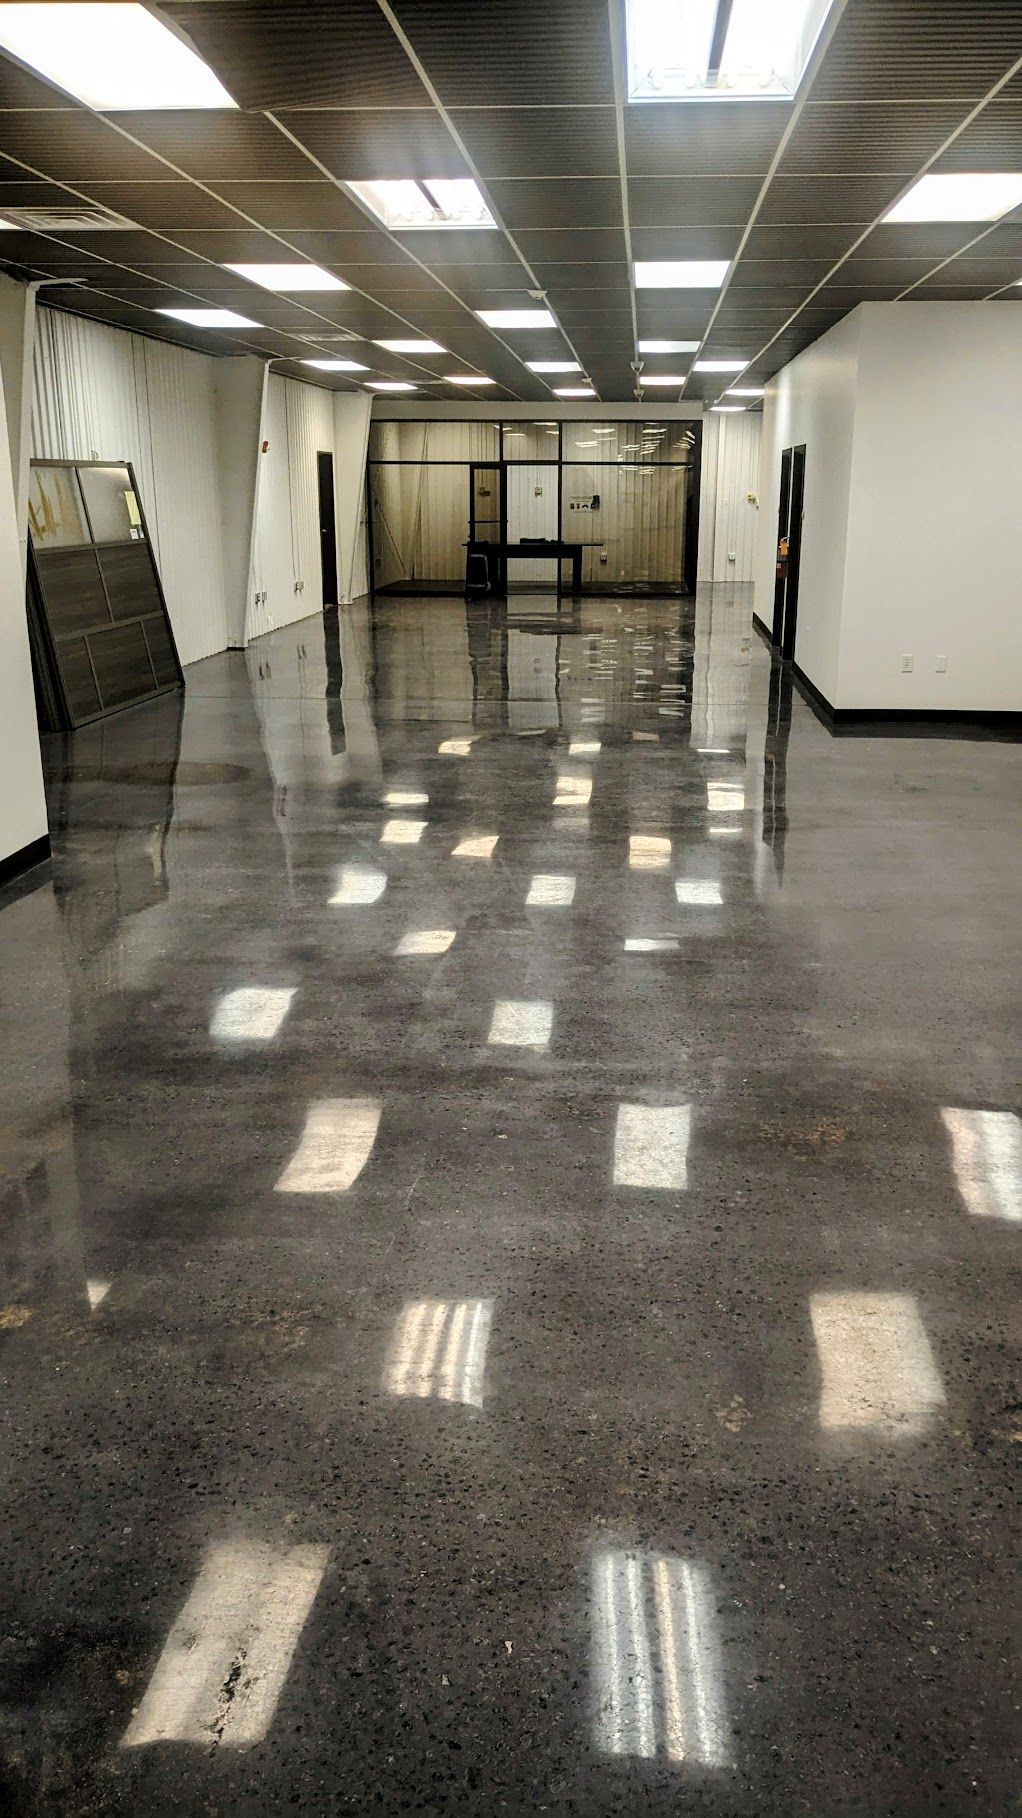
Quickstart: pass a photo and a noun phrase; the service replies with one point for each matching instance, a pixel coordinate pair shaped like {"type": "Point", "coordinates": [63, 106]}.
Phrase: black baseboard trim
{"type": "Point", "coordinates": [764, 630]}
{"type": "Point", "coordinates": [35, 853]}
{"type": "Point", "coordinates": [906, 722]}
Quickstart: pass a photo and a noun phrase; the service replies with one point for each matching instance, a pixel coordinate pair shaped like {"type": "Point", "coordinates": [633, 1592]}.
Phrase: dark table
{"type": "Point", "coordinates": [548, 549]}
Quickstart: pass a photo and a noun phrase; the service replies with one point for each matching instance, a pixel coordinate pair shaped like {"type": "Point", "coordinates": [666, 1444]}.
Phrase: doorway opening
{"type": "Point", "coordinates": [327, 526]}
{"type": "Point", "coordinates": [790, 512]}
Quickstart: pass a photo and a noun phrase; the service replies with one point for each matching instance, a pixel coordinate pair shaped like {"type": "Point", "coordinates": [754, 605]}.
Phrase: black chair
{"type": "Point", "coordinates": [477, 573]}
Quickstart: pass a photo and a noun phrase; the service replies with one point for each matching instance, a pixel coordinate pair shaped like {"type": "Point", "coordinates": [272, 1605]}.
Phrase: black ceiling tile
{"type": "Point", "coordinates": [660, 320]}
{"type": "Point", "coordinates": [220, 145]}
{"type": "Point", "coordinates": [917, 239]}
{"type": "Point", "coordinates": [190, 275]}
{"type": "Point", "coordinates": [35, 250]}
{"type": "Point", "coordinates": [171, 203]}
{"type": "Point", "coordinates": [859, 270]}
{"type": "Point", "coordinates": [449, 246]}
{"type": "Point", "coordinates": [338, 247]}
{"type": "Point", "coordinates": [748, 299]}
{"type": "Point", "coordinates": [551, 202]}
{"type": "Point", "coordinates": [869, 136]}
{"type": "Point", "coordinates": [681, 201]}
{"type": "Point", "coordinates": [581, 244]}
{"type": "Point", "coordinates": [692, 138]}
{"type": "Point", "coordinates": [20, 88]}
{"type": "Point", "coordinates": [999, 242]}
{"type": "Point", "coordinates": [825, 200]}
{"type": "Point", "coordinates": [123, 246]}
{"type": "Point", "coordinates": [941, 289]}
{"type": "Point", "coordinates": [975, 268]}
{"type": "Point", "coordinates": [530, 52]}
{"type": "Point", "coordinates": [394, 280]}
{"type": "Point", "coordinates": [607, 279]}
{"type": "Point", "coordinates": [692, 242]}
{"type": "Point", "coordinates": [283, 206]}
{"type": "Point", "coordinates": [540, 141]}
{"type": "Point", "coordinates": [76, 147]}
{"type": "Point", "coordinates": [848, 295]}
{"type": "Point", "coordinates": [344, 53]}
{"type": "Point", "coordinates": [233, 245]}
{"type": "Point", "coordinates": [994, 139]}
{"type": "Point", "coordinates": [360, 144]}
{"type": "Point", "coordinates": [461, 278]}
{"type": "Point", "coordinates": [760, 274]}
{"type": "Point", "coordinates": [919, 50]}
{"type": "Point", "coordinates": [799, 242]}
{"type": "Point", "coordinates": [35, 192]}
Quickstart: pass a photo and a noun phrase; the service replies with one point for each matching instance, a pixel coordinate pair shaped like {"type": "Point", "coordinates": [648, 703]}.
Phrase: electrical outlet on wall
{"type": "Point", "coordinates": [907, 662]}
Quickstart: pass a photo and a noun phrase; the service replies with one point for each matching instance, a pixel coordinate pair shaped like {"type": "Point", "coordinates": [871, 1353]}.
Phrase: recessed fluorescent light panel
{"type": "Point", "coordinates": [289, 278]}
{"type": "Point", "coordinates": [574, 391]}
{"type": "Point", "coordinates": [680, 274]}
{"type": "Point", "coordinates": [708, 50]}
{"type": "Point", "coordinates": [113, 56]}
{"type": "Point", "coordinates": [725, 410]}
{"type": "Point", "coordinates": [719, 365]}
{"type": "Point", "coordinates": [673, 379]}
{"type": "Point", "coordinates": [662, 347]}
{"type": "Point", "coordinates": [389, 385]}
{"type": "Point", "coordinates": [444, 202]}
{"type": "Point", "coordinates": [413, 345]}
{"type": "Point", "coordinates": [209, 318]}
{"type": "Point", "coordinates": [745, 391]}
{"type": "Point", "coordinates": [553, 366]}
{"type": "Point", "coordinates": [336, 365]}
{"type": "Point", "coordinates": [467, 378]}
{"type": "Point", "coordinates": [965, 196]}
{"type": "Point", "coordinates": [517, 318]}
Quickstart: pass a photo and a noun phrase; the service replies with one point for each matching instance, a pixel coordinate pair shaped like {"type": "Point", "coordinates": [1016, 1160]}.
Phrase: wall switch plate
{"type": "Point", "coordinates": [906, 663]}
{"type": "Point", "coordinates": [941, 665]}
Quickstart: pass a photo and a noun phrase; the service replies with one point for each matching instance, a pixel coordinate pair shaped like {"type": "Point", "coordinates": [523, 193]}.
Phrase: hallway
{"type": "Point", "coordinates": [510, 1175]}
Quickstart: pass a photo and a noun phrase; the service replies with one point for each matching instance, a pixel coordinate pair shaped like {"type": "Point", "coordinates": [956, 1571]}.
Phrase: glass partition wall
{"type": "Point", "coordinates": [613, 505]}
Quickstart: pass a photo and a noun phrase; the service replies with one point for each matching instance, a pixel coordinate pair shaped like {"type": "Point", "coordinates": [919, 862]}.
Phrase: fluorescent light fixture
{"type": "Point", "coordinates": [680, 274]}
{"type": "Point", "coordinates": [390, 385]}
{"type": "Point", "coordinates": [334, 1147]}
{"type": "Point", "coordinates": [675, 379]}
{"type": "Point", "coordinates": [703, 51]}
{"type": "Point", "coordinates": [553, 366]}
{"type": "Point", "coordinates": [727, 409]}
{"type": "Point", "coordinates": [986, 1151]}
{"type": "Point", "coordinates": [476, 846]}
{"type": "Point", "coordinates": [467, 378]}
{"type": "Point", "coordinates": [399, 832]}
{"type": "Point", "coordinates": [228, 1653]}
{"type": "Point", "coordinates": [959, 196]}
{"type": "Point", "coordinates": [288, 278]}
{"type": "Point", "coordinates": [720, 365]}
{"type": "Point", "coordinates": [336, 365]}
{"type": "Point", "coordinates": [745, 391]}
{"type": "Point", "coordinates": [111, 56]}
{"type": "Point", "coordinates": [877, 1368]}
{"type": "Point", "coordinates": [521, 1023]}
{"type": "Point", "coordinates": [424, 940]}
{"type": "Point", "coordinates": [574, 391]}
{"type": "Point", "coordinates": [651, 1146]}
{"type": "Point", "coordinates": [208, 318]}
{"type": "Point", "coordinates": [413, 344]}
{"type": "Point", "coordinates": [253, 1013]}
{"type": "Point", "coordinates": [662, 347]}
{"type": "Point", "coordinates": [657, 1664]}
{"type": "Point", "coordinates": [439, 1350]}
{"type": "Point", "coordinates": [516, 318]}
{"type": "Point", "coordinates": [437, 202]}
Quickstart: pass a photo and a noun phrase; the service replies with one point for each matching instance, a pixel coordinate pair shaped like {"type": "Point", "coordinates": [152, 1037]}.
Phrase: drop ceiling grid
{"type": "Point", "coordinates": [532, 102]}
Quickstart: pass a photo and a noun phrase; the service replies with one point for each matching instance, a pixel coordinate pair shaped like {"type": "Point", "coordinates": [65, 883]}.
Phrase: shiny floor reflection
{"type": "Point", "coordinates": [439, 1350]}
{"type": "Point", "coordinates": [657, 1672]}
{"type": "Point", "coordinates": [877, 1366]}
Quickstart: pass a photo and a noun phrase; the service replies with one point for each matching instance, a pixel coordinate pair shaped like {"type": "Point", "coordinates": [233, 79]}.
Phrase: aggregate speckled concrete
{"type": "Point", "coordinates": [603, 1405]}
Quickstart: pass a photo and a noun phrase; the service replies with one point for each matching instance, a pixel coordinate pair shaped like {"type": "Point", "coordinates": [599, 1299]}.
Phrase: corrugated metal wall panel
{"type": "Point", "coordinates": [728, 521]}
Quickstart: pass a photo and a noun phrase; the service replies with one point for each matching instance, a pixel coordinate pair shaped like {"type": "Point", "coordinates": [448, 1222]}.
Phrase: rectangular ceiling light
{"type": "Point", "coordinates": [719, 365]}
{"type": "Point", "coordinates": [403, 204]}
{"type": "Point", "coordinates": [662, 347]}
{"type": "Point", "coordinates": [289, 278]}
{"type": "Point", "coordinates": [112, 56]}
{"type": "Point", "coordinates": [516, 318]}
{"type": "Point", "coordinates": [745, 391]}
{"type": "Point", "coordinates": [210, 318]}
{"type": "Point", "coordinates": [727, 409]}
{"type": "Point", "coordinates": [680, 274]}
{"type": "Point", "coordinates": [675, 379]}
{"type": "Point", "coordinates": [389, 385]}
{"type": "Point", "coordinates": [415, 344]}
{"type": "Point", "coordinates": [965, 196]}
{"type": "Point", "coordinates": [574, 391]}
{"type": "Point", "coordinates": [553, 366]}
{"type": "Point", "coordinates": [467, 378]}
{"type": "Point", "coordinates": [336, 365]}
{"type": "Point", "coordinates": [720, 50]}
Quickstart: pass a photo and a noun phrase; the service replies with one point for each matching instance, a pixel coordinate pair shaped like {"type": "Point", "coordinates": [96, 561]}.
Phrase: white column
{"type": "Point", "coordinates": [239, 384]}
{"type": "Point", "coordinates": [352, 411]}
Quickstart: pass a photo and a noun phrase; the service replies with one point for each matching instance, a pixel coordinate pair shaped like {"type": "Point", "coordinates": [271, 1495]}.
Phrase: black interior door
{"type": "Point", "coordinates": [327, 526]}
{"type": "Point", "coordinates": [783, 511]}
{"type": "Point", "coordinates": [798, 484]}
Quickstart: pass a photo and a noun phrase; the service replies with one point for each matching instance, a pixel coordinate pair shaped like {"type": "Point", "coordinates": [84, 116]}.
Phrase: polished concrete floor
{"type": "Point", "coordinates": [510, 1179]}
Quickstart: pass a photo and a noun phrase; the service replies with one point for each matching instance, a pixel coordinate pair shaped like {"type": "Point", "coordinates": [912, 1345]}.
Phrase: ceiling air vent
{"type": "Point", "coordinates": [61, 220]}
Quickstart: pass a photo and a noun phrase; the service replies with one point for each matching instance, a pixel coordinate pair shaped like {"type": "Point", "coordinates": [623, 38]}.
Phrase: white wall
{"type": "Point", "coordinates": [934, 562]}
{"type": "Point", "coordinates": [728, 519]}
{"type": "Point", "coordinates": [100, 393]}
{"type": "Point", "coordinates": [812, 401]}
{"type": "Point", "coordinates": [22, 801]}
{"type": "Point", "coordinates": [912, 536]}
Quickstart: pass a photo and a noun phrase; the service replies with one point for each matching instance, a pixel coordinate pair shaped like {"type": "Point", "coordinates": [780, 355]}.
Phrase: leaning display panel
{"type": "Point", "coordinates": [103, 626]}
